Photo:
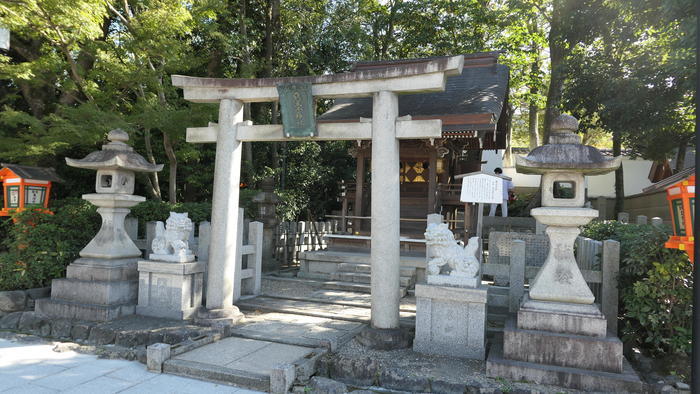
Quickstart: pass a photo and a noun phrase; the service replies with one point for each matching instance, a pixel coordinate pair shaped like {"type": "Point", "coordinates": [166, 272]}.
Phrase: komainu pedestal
{"type": "Point", "coordinates": [170, 282]}
{"type": "Point", "coordinates": [170, 290]}
{"type": "Point", "coordinates": [451, 307]}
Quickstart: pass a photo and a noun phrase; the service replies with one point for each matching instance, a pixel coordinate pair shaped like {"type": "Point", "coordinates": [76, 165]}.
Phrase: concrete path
{"type": "Point", "coordinates": [35, 368]}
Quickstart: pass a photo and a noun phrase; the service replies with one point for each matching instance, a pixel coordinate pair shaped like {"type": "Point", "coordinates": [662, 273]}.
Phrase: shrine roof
{"type": "Point", "coordinates": [33, 173]}
{"type": "Point", "coordinates": [471, 101]}
{"type": "Point", "coordinates": [668, 182]}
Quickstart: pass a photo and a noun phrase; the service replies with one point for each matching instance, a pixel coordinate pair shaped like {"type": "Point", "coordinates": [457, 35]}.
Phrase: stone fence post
{"type": "Point", "coordinates": [609, 292]}
{"type": "Point", "coordinates": [623, 217]}
{"type": "Point", "coordinates": [517, 274]}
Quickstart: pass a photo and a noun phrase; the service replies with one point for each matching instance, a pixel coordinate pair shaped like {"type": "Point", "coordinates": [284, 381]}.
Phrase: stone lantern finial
{"type": "Point", "coordinates": [118, 135]}
{"type": "Point", "coordinates": [564, 129]}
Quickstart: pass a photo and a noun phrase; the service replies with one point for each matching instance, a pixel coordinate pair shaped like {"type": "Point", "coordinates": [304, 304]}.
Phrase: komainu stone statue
{"type": "Point", "coordinates": [171, 241]}
{"type": "Point", "coordinates": [449, 263]}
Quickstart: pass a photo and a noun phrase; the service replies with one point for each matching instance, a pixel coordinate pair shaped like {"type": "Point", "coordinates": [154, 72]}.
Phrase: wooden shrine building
{"type": "Point", "coordinates": [475, 117]}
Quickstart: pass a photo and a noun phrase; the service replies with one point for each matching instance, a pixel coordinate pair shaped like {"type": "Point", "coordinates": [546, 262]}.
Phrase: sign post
{"type": "Point", "coordinates": [480, 188]}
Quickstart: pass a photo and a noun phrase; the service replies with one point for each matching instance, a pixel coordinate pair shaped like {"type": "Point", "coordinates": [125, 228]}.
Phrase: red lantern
{"type": "Point", "coordinates": [681, 202]}
{"type": "Point", "coordinates": [26, 187]}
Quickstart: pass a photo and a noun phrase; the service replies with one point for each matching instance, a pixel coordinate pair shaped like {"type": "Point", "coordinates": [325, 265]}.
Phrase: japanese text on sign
{"type": "Point", "coordinates": [482, 188]}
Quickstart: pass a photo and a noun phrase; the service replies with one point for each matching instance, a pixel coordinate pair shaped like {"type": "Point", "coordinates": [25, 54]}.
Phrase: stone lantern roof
{"type": "Point", "coordinates": [564, 152]}
{"type": "Point", "coordinates": [115, 155]}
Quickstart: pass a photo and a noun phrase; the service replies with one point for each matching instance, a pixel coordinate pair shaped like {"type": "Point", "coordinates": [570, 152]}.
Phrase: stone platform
{"type": "Point", "coordinates": [94, 289]}
{"type": "Point", "coordinates": [575, 378]}
{"type": "Point", "coordinates": [244, 362]}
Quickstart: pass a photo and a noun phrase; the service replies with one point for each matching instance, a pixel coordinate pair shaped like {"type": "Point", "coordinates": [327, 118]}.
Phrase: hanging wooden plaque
{"type": "Point", "coordinates": [297, 107]}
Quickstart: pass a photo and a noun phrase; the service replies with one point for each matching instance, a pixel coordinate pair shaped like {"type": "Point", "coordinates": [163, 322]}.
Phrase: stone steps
{"type": "Point", "coordinates": [405, 281]}
{"type": "Point", "coordinates": [215, 373]}
{"type": "Point", "coordinates": [357, 287]}
{"type": "Point", "coordinates": [353, 313]}
{"type": "Point", "coordinates": [346, 268]}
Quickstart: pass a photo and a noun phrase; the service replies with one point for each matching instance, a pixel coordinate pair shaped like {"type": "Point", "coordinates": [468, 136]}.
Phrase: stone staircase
{"type": "Point", "coordinates": [350, 271]}
{"type": "Point", "coordinates": [358, 277]}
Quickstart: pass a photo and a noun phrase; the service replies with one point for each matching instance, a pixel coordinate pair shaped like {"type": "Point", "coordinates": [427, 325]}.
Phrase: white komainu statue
{"type": "Point", "coordinates": [171, 240]}
{"type": "Point", "coordinates": [447, 256]}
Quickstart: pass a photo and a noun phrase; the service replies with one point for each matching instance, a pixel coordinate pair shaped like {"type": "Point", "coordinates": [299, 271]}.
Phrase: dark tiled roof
{"type": "Point", "coordinates": [35, 173]}
{"type": "Point", "coordinates": [481, 89]}
{"type": "Point", "coordinates": [664, 183]}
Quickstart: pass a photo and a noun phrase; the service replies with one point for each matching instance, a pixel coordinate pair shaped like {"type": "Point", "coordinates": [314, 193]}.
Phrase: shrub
{"type": "Point", "coordinates": [38, 246]}
{"type": "Point", "coordinates": [655, 286]}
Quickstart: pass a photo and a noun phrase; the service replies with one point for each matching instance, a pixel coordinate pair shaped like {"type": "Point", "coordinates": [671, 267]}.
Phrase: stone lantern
{"type": "Point", "coordinates": [267, 202]}
{"type": "Point", "coordinates": [559, 335]}
{"type": "Point", "coordinates": [103, 283]}
{"type": "Point", "coordinates": [563, 164]}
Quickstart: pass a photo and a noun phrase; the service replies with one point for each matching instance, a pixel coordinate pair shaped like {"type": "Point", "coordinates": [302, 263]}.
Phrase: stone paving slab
{"type": "Point", "coordinates": [32, 366]}
{"type": "Point", "coordinates": [310, 308]}
{"type": "Point", "coordinates": [297, 329]}
{"type": "Point", "coordinates": [244, 354]}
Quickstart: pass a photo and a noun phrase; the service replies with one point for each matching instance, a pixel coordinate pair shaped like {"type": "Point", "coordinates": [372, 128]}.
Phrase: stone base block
{"type": "Point", "coordinates": [105, 270]}
{"type": "Point", "coordinates": [451, 321]}
{"type": "Point", "coordinates": [577, 319]}
{"type": "Point", "coordinates": [170, 290]}
{"type": "Point", "coordinates": [82, 311]}
{"type": "Point", "coordinates": [450, 280]}
{"type": "Point", "coordinates": [385, 339]}
{"type": "Point", "coordinates": [171, 258]}
{"type": "Point", "coordinates": [565, 350]}
{"type": "Point", "coordinates": [219, 317]}
{"type": "Point", "coordinates": [95, 292]}
{"type": "Point", "coordinates": [574, 378]}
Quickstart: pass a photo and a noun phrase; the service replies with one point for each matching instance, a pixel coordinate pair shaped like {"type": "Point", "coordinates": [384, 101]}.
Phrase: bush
{"type": "Point", "coordinates": [655, 286]}
{"type": "Point", "coordinates": [38, 246]}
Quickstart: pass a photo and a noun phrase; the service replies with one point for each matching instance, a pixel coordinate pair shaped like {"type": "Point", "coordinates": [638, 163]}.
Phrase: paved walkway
{"type": "Point", "coordinates": [35, 368]}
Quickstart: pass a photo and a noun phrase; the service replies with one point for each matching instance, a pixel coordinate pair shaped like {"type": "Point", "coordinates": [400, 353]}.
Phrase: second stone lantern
{"type": "Point", "coordinates": [559, 335]}
{"type": "Point", "coordinates": [563, 164]}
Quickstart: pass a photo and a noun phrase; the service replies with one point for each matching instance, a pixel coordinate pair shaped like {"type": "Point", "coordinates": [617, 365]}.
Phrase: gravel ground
{"type": "Point", "coordinates": [439, 368]}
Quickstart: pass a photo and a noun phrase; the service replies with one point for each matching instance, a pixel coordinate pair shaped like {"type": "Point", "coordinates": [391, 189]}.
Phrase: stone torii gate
{"type": "Point", "coordinates": [384, 130]}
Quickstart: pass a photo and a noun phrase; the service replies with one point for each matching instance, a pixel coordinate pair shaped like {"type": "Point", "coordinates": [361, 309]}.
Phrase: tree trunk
{"type": "Point", "coordinates": [172, 167]}
{"type": "Point", "coordinates": [619, 180]}
{"type": "Point", "coordinates": [533, 126]}
{"type": "Point", "coordinates": [680, 157]}
{"type": "Point", "coordinates": [533, 107]}
{"type": "Point", "coordinates": [557, 55]}
{"type": "Point", "coordinates": [153, 182]}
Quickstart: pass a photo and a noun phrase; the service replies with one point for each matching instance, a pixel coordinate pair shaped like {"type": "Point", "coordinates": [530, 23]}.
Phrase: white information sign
{"type": "Point", "coordinates": [482, 188]}
{"type": "Point", "coordinates": [4, 38]}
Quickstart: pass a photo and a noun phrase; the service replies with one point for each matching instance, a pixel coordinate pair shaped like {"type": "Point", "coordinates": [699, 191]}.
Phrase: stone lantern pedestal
{"type": "Point", "coordinates": [103, 283]}
{"type": "Point", "coordinates": [559, 335]}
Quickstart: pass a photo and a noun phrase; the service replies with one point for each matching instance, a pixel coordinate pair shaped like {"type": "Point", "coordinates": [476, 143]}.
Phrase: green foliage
{"type": "Point", "coordinates": [655, 286]}
{"type": "Point", "coordinates": [518, 208]}
{"type": "Point", "coordinates": [39, 246]}
{"type": "Point", "coordinates": [661, 305]}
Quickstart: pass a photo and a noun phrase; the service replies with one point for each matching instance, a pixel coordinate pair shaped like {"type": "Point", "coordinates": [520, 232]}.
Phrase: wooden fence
{"type": "Point", "coordinates": [292, 238]}
{"type": "Point", "coordinates": [599, 263]}
{"type": "Point", "coordinates": [248, 269]}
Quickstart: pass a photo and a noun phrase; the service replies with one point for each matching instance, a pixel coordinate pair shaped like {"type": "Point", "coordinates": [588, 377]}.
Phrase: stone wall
{"type": "Point", "coordinates": [21, 300]}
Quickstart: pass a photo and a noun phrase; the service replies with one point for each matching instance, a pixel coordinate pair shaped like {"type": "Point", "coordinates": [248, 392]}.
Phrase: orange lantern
{"type": "Point", "coordinates": [681, 201]}
{"type": "Point", "coordinates": [26, 187]}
